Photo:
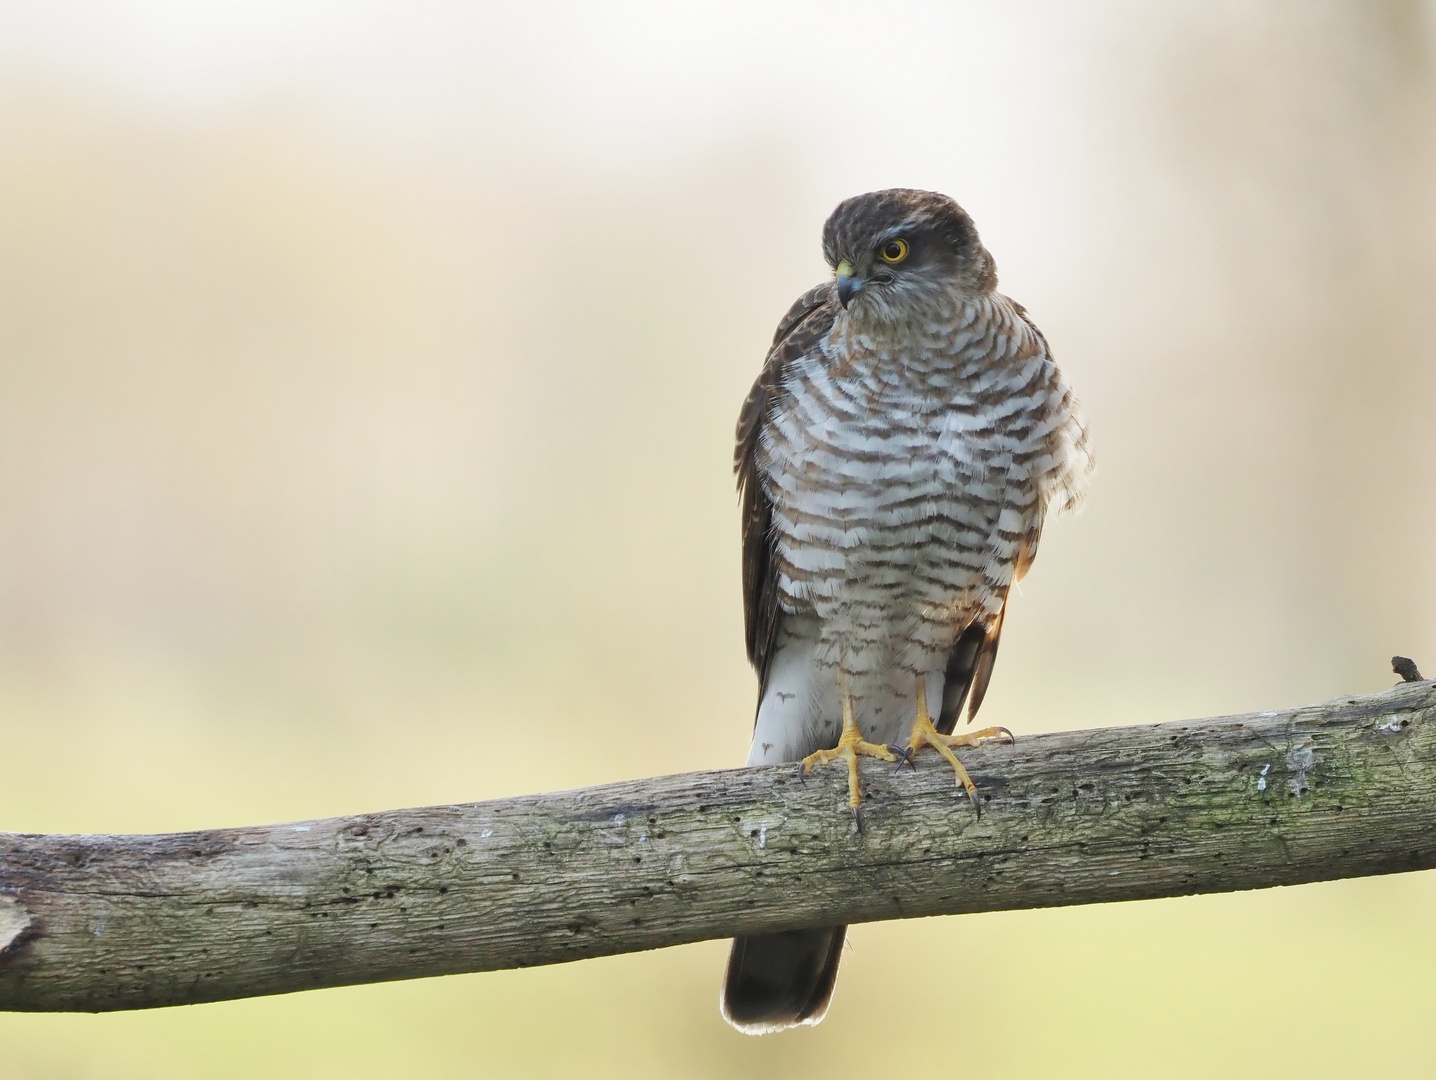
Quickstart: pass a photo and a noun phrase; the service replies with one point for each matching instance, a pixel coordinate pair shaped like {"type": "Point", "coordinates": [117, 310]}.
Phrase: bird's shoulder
{"type": "Point", "coordinates": [1069, 452]}
{"type": "Point", "coordinates": [821, 300]}
{"type": "Point", "coordinates": [1016, 317]}
{"type": "Point", "coordinates": [799, 331]}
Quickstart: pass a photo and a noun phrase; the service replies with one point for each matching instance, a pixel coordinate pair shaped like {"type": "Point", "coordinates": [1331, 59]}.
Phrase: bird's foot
{"type": "Point", "coordinates": [851, 746]}
{"type": "Point", "coordinates": [924, 734]}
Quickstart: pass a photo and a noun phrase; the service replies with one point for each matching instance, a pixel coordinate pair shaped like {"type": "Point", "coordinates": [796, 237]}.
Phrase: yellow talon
{"type": "Point", "coordinates": [851, 745]}
{"type": "Point", "coordinates": [923, 733]}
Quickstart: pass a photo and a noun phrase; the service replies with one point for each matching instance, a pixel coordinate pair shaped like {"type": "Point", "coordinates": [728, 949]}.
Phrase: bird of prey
{"type": "Point", "coordinates": [896, 457]}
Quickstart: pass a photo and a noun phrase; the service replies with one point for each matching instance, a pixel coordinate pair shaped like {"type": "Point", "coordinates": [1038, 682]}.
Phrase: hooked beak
{"type": "Point", "coordinates": [848, 285]}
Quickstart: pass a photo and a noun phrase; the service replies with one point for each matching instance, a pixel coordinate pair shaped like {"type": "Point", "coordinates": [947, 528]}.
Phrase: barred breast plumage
{"type": "Point", "coordinates": [896, 458]}
{"type": "Point", "coordinates": [908, 466]}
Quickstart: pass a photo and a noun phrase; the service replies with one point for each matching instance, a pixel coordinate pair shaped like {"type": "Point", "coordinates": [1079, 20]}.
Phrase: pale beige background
{"type": "Point", "coordinates": [367, 378]}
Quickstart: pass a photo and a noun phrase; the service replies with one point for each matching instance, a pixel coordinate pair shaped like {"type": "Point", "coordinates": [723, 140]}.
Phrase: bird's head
{"type": "Point", "coordinates": [900, 249]}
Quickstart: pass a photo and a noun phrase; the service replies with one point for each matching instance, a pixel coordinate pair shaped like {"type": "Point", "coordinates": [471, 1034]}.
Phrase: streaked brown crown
{"type": "Point", "coordinates": [941, 234]}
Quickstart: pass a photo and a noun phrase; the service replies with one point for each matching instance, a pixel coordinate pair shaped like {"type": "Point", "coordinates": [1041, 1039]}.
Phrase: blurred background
{"type": "Point", "coordinates": [367, 382]}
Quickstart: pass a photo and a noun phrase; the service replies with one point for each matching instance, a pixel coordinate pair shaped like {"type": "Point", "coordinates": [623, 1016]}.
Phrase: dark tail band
{"type": "Point", "coordinates": [781, 980]}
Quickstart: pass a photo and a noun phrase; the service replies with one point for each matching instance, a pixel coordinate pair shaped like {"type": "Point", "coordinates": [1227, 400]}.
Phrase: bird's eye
{"type": "Point", "coordinates": [894, 251]}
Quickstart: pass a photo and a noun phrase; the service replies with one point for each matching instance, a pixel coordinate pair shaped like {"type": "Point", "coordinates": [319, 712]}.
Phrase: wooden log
{"type": "Point", "coordinates": [1341, 789]}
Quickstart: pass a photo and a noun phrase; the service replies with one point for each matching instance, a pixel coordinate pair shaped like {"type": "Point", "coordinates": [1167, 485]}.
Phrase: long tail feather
{"type": "Point", "coordinates": [781, 980]}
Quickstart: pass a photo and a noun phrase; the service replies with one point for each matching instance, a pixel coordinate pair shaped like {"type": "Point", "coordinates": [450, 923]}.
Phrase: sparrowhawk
{"type": "Point", "coordinates": [896, 457]}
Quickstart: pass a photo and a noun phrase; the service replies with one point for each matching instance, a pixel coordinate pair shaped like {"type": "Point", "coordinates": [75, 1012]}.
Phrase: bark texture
{"type": "Point", "coordinates": [1341, 789]}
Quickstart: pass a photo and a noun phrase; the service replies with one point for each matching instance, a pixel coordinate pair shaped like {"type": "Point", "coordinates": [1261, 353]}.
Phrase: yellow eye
{"type": "Point", "coordinates": [894, 251]}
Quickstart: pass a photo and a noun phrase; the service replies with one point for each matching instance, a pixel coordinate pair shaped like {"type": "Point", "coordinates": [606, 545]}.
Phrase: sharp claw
{"type": "Point", "coordinates": [904, 757]}
{"type": "Point", "coordinates": [857, 819]}
{"type": "Point", "coordinates": [1010, 737]}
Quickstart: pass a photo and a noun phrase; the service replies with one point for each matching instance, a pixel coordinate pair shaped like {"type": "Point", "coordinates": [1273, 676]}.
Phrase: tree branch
{"type": "Point", "coordinates": [1342, 789]}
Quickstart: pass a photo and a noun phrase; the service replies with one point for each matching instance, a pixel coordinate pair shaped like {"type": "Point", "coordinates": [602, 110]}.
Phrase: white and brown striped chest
{"type": "Point", "coordinates": [900, 467]}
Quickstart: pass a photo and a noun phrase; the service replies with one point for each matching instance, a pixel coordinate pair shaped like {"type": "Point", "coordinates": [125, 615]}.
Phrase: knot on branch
{"type": "Point", "coordinates": [1406, 668]}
